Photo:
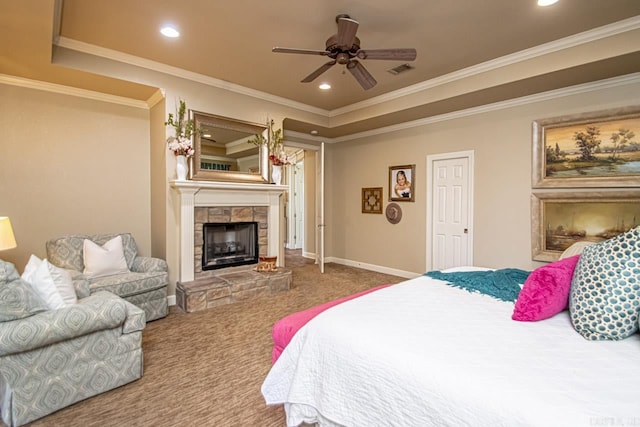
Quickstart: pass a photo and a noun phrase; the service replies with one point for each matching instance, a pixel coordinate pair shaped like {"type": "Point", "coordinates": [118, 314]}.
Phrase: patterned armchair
{"type": "Point", "coordinates": [145, 285]}
{"type": "Point", "coordinates": [50, 359]}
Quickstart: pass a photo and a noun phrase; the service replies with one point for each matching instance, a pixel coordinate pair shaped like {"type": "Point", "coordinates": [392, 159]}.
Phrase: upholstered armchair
{"type": "Point", "coordinates": [50, 359]}
{"type": "Point", "coordinates": [144, 285]}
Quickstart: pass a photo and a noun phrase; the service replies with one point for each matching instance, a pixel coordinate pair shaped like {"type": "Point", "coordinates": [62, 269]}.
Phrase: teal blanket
{"type": "Point", "coordinates": [503, 284]}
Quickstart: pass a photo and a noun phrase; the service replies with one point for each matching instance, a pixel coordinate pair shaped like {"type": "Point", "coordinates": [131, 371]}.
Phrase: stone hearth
{"type": "Point", "coordinates": [230, 287]}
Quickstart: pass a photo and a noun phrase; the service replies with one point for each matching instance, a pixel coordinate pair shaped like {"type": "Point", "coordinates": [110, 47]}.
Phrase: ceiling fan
{"type": "Point", "coordinates": [344, 47]}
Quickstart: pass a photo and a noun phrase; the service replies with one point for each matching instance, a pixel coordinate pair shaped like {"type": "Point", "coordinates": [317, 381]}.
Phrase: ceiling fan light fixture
{"type": "Point", "coordinates": [325, 86]}
{"type": "Point", "coordinates": [544, 3]}
{"type": "Point", "coordinates": [169, 31]}
{"type": "Point", "coordinates": [344, 47]}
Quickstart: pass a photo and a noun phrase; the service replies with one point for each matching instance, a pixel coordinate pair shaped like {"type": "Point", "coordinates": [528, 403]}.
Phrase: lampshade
{"type": "Point", "coordinates": [7, 239]}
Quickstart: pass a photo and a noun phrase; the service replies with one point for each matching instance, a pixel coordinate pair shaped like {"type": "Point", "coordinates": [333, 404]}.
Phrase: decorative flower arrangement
{"type": "Point", "coordinates": [184, 128]}
{"type": "Point", "coordinates": [277, 155]}
{"type": "Point", "coordinates": [281, 158]}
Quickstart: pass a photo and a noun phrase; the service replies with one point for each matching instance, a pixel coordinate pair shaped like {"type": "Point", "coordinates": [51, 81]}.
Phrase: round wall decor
{"type": "Point", "coordinates": [393, 213]}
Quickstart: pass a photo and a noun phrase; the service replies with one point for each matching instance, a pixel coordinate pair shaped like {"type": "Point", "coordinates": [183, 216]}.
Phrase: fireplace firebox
{"type": "Point", "coordinates": [228, 244]}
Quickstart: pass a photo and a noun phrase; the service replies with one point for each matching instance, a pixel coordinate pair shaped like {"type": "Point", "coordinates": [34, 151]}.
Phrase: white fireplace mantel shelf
{"type": "Point", "coordinates": [214, 193]}
{"type": "Point", "coordinates": [219, 185]}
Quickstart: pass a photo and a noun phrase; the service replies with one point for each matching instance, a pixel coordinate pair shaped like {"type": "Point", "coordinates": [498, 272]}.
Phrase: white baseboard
{"type": "Point", "coordinates": [372, 267]}
{"type": "Point", "coordinates": [309, 255]}
{"type": "Point", "coordinates": [171, 300]}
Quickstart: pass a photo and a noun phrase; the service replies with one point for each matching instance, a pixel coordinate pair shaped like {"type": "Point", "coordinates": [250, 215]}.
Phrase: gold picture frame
{"type": "Point", "coordinates": [402, 183]}
{"type": "Point", "coordinates": [560, 219]}
{"type": "Point", "coordinates": [596, 149]}
{"type": "Point", "coordinates": [372, 200]}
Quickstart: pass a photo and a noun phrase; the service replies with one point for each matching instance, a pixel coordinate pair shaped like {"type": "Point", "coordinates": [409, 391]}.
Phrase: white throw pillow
{"type": "Point", "coordinates": [64, 283]}
{"type": "Point", "coordinates": [104, 260]}
{"type": "Point", "coordinates": [575, 249]}
{"type": "Point", "coordinates": [50, 283]}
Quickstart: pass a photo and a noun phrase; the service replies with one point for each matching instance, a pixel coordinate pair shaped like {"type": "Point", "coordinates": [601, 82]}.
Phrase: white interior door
{"type": "Point", "coordinates": [450, 210]}
{"type": "Point", "coordinates": [298, 201]}
{"type": "Point", "coordinates": [320, 208]}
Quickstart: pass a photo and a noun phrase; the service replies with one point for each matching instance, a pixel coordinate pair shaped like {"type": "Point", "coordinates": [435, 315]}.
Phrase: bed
{"type": "Point", "coordinates": [425, 353]}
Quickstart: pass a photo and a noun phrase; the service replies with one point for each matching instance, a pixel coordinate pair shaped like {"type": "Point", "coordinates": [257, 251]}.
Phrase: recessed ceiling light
{"type": "Point", "coordinates": [546, 2]}
{"type": "Point", "coordinates": [207, 135]}
{"type": "Point", "coordinates": [170, 32]}
{"type": "Point", "coordinates": [325, 86]}
{"type": "Point", "coordinates": [314, 132]}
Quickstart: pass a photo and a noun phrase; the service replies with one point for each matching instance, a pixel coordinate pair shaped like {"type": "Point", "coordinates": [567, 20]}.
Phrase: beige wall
{"type": "Point", "coordinates": [74, 165]}
{"type": "Point", "coordinates": [158, 185]}
{"type": "Point", "coordinates": [501, 141]}
{"type": "Point", "coordinates": [71, 165]}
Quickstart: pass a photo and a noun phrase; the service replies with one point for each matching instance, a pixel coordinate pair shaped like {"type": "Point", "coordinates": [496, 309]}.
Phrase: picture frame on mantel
{"type": "Point", "coordinates": [561, 218]}
{"type": "Point", "coordinates": [595, 149]}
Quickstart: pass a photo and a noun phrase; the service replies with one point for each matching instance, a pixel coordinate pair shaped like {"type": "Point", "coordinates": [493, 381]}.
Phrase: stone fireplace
{"type": "Point", "coordinates": [204, 202]}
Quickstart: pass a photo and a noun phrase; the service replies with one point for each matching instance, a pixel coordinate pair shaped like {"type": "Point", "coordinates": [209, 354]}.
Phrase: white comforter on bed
{"type": "Point", "coordinates": [423, 353]}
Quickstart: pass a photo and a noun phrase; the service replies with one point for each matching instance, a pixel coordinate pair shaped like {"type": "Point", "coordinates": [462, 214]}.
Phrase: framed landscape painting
{"type": "Point", "coordinates": [559, 219]}
{"type": "Point", "coordinates": [599, 149]}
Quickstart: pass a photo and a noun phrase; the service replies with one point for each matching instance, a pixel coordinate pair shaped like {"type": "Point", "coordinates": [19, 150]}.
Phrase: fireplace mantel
{"type": "Point", "coordinates": [212, 193]}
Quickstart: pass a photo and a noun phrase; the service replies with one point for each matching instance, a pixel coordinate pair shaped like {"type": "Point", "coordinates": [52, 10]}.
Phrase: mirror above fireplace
{"type": "Point", "coordinates": [222, 152]}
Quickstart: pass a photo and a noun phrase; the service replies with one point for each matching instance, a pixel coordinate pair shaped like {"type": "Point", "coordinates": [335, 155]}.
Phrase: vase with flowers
{"type": "Point", "coordinates": [181, 142]}
{"type": "Point", "coordinates": [278, 157]}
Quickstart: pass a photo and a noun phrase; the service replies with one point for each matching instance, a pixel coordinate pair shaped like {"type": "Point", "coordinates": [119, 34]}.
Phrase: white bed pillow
{"type": "Point", "coordinates": [104, 260]}
{"type": "Point", "coordinates": [575, 249]}
{"type": "Point", "coordinates": [52, 284]}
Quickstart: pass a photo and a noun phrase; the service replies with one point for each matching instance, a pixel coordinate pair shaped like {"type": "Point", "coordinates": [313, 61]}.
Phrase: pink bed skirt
{"type": "Point", "coordinates": [285, 328]}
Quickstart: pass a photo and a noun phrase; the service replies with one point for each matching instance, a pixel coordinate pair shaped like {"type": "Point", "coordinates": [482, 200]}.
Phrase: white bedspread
{"type": "Point", "coordinates": [422, 353]}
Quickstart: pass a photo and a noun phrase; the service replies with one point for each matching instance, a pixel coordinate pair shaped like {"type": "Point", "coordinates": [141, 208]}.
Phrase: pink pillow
{"type": "Point", "coordinates": [546, 291]}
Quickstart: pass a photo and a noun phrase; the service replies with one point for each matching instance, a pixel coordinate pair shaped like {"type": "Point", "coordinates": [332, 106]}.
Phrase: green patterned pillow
{"type": "Point", "coordinates": [605, 291]}
{"type": "Point", "coordinates": [17, 298]}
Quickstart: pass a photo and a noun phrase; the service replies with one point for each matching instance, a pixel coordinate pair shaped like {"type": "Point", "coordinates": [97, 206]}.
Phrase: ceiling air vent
{"type": "Point", "coordinates": [400, 69]}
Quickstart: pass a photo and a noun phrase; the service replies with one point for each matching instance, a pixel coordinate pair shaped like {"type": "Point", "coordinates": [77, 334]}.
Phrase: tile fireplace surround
{"type": "Point", "coordinates": [209, 194]}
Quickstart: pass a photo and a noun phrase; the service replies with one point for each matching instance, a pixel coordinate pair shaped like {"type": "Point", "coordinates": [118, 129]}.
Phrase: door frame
{"type": "Point", "coordinates": [318, 216]}
{"type": "Point", "coordinates": [293, 208]}
{"type": "Point", "coordinates": [431, 161]}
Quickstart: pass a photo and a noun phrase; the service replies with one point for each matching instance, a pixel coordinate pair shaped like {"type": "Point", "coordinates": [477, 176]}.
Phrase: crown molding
{"type": "Point", "coordinates": [304, 137]}
{"type": "Point", "coordinates": [599, 33]}
{"type": "Point", "coordinates": [91, 49]}
{"type": "Point", "coordinates": [72, 91]}
{"type": "Point", "coordinates": [544, 96]}
{"type": "Point", "coordinates": [155, 98]}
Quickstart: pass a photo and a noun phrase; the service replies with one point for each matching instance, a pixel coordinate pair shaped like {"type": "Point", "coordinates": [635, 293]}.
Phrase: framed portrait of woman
{"type": "Point", "coordinates": [402, 183]}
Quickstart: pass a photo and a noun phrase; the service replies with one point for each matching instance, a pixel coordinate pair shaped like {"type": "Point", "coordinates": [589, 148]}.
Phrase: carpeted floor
{"type": "Point", "coordinates": [206, 368]}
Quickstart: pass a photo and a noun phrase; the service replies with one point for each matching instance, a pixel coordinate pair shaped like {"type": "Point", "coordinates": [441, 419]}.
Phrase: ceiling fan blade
{"type": "Point", "coordinates": [303, 51]}
{"type": "Point", "coordinates": [347, 29]}
{"type": "Point", "coordinates": [311, 77]}
{"type": "Point", "coordinates": [389, 54]}
{"type": "Point", "coordinates": [361, 74]}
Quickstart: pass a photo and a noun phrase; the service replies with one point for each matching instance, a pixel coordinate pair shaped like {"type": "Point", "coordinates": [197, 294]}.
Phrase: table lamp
{"type": "Point", "coordinates": [7, 239]}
